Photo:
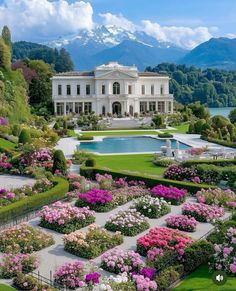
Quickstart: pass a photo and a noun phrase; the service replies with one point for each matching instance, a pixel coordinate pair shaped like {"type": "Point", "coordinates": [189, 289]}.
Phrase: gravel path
{"type": "Point", "coordinates": [9, 181]}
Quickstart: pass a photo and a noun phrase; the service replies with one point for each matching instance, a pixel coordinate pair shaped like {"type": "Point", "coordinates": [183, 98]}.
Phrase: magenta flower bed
{"type": "Point", "coordinates": [171, 194]}
{"type": "Point", "coordinates": [120, 261]}
{"type": "Point", "coordinates": [203, 212]}
{"type": "Point", "coordinates": [182, 222]}
{"type": "Point", "coordinates": [97, 199]}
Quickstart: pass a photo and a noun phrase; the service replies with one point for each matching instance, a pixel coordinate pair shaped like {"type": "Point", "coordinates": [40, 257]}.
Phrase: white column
{"type": "Point", "coordinates": [55, 108]}
{"type": "Point", "coordinates": [73, 110]}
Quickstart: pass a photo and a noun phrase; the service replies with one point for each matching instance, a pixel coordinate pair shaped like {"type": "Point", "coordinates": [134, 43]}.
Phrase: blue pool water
{"type": "Point", "coordinates": [136, 144]}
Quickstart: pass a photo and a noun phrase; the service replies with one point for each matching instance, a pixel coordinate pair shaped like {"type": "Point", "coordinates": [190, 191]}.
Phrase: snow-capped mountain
{"type": "Point", "coordinates": [111, 43]}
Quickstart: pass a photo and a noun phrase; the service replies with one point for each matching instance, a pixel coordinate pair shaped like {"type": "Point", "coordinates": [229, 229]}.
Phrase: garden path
{"type": "Point", "coordinates": [54, 256]}
{"type": "Point", "coordinates": [9, 181]}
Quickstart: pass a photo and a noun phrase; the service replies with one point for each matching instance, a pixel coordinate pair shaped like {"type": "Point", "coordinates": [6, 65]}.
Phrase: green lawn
{"type": "Point", "coordinates": [183, 128]}
{"type": "Point", "coordinates": [6, 288]}
{"type": "Point", "coordinates": [200, 280]}
{"type": "Point", "coordinates": [124, 132]}
{"type": "Point", "coordinates": [7, 144]}
{"type": "Point", "coordinates": [139, 163]}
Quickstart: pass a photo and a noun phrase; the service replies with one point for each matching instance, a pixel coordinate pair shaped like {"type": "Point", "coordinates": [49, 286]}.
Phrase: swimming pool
{"type": "Point", "coordinates": [110, 145]}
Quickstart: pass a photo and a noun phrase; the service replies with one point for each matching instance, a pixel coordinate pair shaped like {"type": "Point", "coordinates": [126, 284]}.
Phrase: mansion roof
{"type": "Point", "coordinates": [91, 74]}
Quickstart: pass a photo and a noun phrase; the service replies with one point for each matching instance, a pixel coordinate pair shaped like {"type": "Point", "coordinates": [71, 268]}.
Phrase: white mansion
{"type": "Point", "coordinates": [111, 88]}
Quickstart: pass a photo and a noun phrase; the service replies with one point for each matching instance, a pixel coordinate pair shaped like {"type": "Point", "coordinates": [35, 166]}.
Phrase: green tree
{"type": "Point", "coordinates": [5, 55]}
{"type": "Point", "coordinates": [40, 87]}
{"type": "Point", "coordinates": [158, 120]}
{"type": "Point", "coordinates": [24, 136]}
{"type": "Point", "coordinates": [232, 116]}
{"type": "Point", "coordinates": [64, 62]}
{"type": "Point", "coordinates": [6, 35]}
{"type": "Point", "coordinates": [59, 162]}
{"type": "Point", "coordinates": [219, 121]}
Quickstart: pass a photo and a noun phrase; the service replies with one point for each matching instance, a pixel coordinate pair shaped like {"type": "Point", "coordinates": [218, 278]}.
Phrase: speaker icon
{"type": "Point", "coordinates": [219, 278]}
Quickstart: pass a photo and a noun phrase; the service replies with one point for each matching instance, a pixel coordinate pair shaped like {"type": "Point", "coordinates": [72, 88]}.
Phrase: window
{"type": "Point", "coordinates": [68, 90]}
{"type": "Point", "coordinates": [162, 90]}
{"type": "Point", "coordinates": [69, 107]}
{"type": "Point", "coordinates": [87, 107]}
{"type": "Point", "coordinates": [143, 89]}
{"type": "Point", "coordinates": [161, 106]}
{"type": "Point", "coordinates": [103, 89]}
{"type": "Point", "coordinates": [60, 109]}
{"type": "Point", "coordinates": [103, 110]}
{"type": "Point", "coordinates": [143, 107]}
{"type": "Point", "coordinates": [78, 107]}
{"type": "Point", "coordinates": [116, 88]}
{"type": "Point", "coordinates": [152, 106]}
{"type": "Point", "coordinates": [130, 89]}
{"type": "Point", "coordinates": [59, 90]}
{"type": "Point", "coordinates": [78, 89]}
{"type": "Point", "coordinates": [87, 89]}
{"type": "Point", "coordinates": [152, 90]}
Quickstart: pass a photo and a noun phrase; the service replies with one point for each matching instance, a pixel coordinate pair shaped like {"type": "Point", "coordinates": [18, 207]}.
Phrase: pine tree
{"type": "Point", "coordinates": [6, 35]}
{"type": "Point", "coordinates": [5, 55]}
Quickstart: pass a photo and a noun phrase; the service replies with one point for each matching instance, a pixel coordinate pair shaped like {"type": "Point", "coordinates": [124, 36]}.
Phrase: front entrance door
{"type": "Point", "coordinates": [131, 110]}
{"type": "Point", "coordinates": [116, 108]}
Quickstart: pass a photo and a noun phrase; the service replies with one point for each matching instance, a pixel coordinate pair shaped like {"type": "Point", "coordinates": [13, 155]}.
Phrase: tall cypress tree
{"type": "Point", "coordinates": [6, 35]}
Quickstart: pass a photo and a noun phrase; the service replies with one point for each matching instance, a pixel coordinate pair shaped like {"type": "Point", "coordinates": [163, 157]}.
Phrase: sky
{"type": "Point", "coordinates": [186, 23]}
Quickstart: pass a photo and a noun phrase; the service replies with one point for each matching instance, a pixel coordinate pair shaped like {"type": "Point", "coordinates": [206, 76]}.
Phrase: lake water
{"type": "Point", "coordinates": [135, 144]}
{"type": "Point", "coordinates": [224, 111]}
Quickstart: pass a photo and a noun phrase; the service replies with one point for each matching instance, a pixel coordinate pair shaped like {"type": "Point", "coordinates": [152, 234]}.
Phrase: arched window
{"type": "Point", "coordinates": [116, 88]}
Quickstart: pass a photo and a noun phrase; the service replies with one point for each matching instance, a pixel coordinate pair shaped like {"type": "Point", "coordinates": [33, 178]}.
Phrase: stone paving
{"type": "Point", "coordinates": [54, 256]}
{"type": "Point", "coordinates": [9, 181]}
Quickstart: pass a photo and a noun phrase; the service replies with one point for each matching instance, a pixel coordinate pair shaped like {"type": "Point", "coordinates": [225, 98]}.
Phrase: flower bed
{"type": "Point", "coordinates": [182, 222]}
{"type": "Point", "coordinates": [163, 238]}
{"type": "Point", "coordinates": [129, 222]}
{"type": "Point", "coordinates": [216, 196]}
{"type": "Point", "coordinates": [65, 218]}
{"type": "Point", "coordinates": [152, 207]}
{"type": "Point", "coordinates": [70, 275]}
{"type": "Point", "coordinates": [24, 239]}
{"type": "Point", "coordinates": [12, 264]}
{"type": "Point", "coordinates": [179, 173]}
{"type": "Point", "coordinates": [92, 243]}
{"type": "Point", "coordinates": [97, 199]}
{"type": "Point", "coordinates": [144, 283]}
{"type": "Point", "coordinates": [8, 197]}
{"type": "Point", "coordinates": [119, 261]}
{"type": "Point", "coordinates": [225, 254]}
{"type": "Point", "coordinates": [171, 194]}
{"type": "Point", "coordinates": [203, 212]}
{"type": "Point", "coordinates": [28, 282]}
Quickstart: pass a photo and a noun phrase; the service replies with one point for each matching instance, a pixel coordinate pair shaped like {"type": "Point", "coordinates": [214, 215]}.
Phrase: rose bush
{"type": "Point", "coordinates": [203, 212]}
{"type": "Point", "coordinates": [171, 194]}
{"type": "Point", "coordinates": [179, 173]}
{"type": "Point", "coordinates": [24, 239]}
{"type": "Point", "coordinates": [152, 207]}
{"type": "Point", "coordinates": [118, 261]}
{"type": "Point", "coordinates": [92, 243]}
{"type": "Point", "coordinates": [215, 196]}
{"type": "Point", "coordinates": [129, 222]}
{"type": "Point", "coordinates": [65, 218]}
{"type": "Point", "coordinates": [163, 238]}
{"type": "Point", "coordinates": [182, 222]}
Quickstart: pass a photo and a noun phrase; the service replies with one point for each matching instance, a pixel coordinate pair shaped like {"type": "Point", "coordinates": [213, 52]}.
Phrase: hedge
{"type": "Point", "coordinates": [220, 162]}
{"type": "Point", "coordinates": [32, 203]}
{"type": "Point", "coordinates": [85, 137]}
{"type": "Point", "coordinates": [220, 142]}
{"type": "Point", "coordinates": [90, 172]}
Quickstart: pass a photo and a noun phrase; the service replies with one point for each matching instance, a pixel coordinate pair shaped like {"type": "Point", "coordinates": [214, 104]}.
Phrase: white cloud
{"type": "Point", "coordinates": [118, 20]}
{"type": "Point", "coordinates": [231, 35]}
{"type": "Point", "coordinates": [182, 36]}
{"type": "Point", "coordinates": [40, 19]}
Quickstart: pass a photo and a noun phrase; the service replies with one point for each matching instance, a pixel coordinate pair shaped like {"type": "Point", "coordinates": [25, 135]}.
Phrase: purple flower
{"type": "Point", "coordinates": [92, 277]}
{"type": "Point", "coordinates": [148, 272]}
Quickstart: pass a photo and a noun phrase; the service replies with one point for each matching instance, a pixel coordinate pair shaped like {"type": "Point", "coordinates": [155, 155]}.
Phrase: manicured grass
{"type": "Point", "coordinates": [6, 288]}
{"type": "Point", "coordinates": [201, 280]}
{"type": "Point", "coordinates": [183, 128]}
{"type": "Point", "coordinates": [132, 163]}
{"type": "Point", "coordinates": [117, 133]}
{"type": "Point", "coordinates": [6, 144]}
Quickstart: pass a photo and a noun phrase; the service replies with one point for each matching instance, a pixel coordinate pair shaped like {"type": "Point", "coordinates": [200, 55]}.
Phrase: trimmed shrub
{"type": "Point", "coordinates": [91, 172]}
{"type": "Point", "coordinates": [209, 173]}
{"type": "Point", "coordinates": [165, 135]}
{"type": "Point", "coordinates": [35, 202]}
{"type": "Point", "coordinates": [56, 126]}
{"type": "Point", "coordinates": [197, 254]}
{"type": "Point", "coordinates": [166, 278]}
{"type": "Point", "coordinates": [59, 162]}
{"type": "Point", "coordinates": [24, 136]}
{"type": "Point", "coordinates": [219, 162]}
{"type": "Point", "coordinates": [90, 162]}
{"type": "Point", "coordinates": [85, 137]}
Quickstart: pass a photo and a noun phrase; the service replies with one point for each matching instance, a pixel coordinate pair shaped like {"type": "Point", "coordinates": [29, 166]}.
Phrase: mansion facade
{"type": "Point", "coordinates": [111, 88]}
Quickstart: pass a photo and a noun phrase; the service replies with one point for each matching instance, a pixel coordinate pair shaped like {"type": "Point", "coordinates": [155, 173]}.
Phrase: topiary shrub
{"type": "Point", "coordinates": [165, 135]}
{"type": "Point", "coordinates": [85, 137]}
{"type": "Point", "coordinates": [24, 136]}
{"type": "Point", "coordinates": [197, 254]}
{"type": "Point", "coordinates": [59, 162]}
{"type": "Point", "coordinates": [90, 162]}
{"type": "Point", "coordinates": [56, 126]}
